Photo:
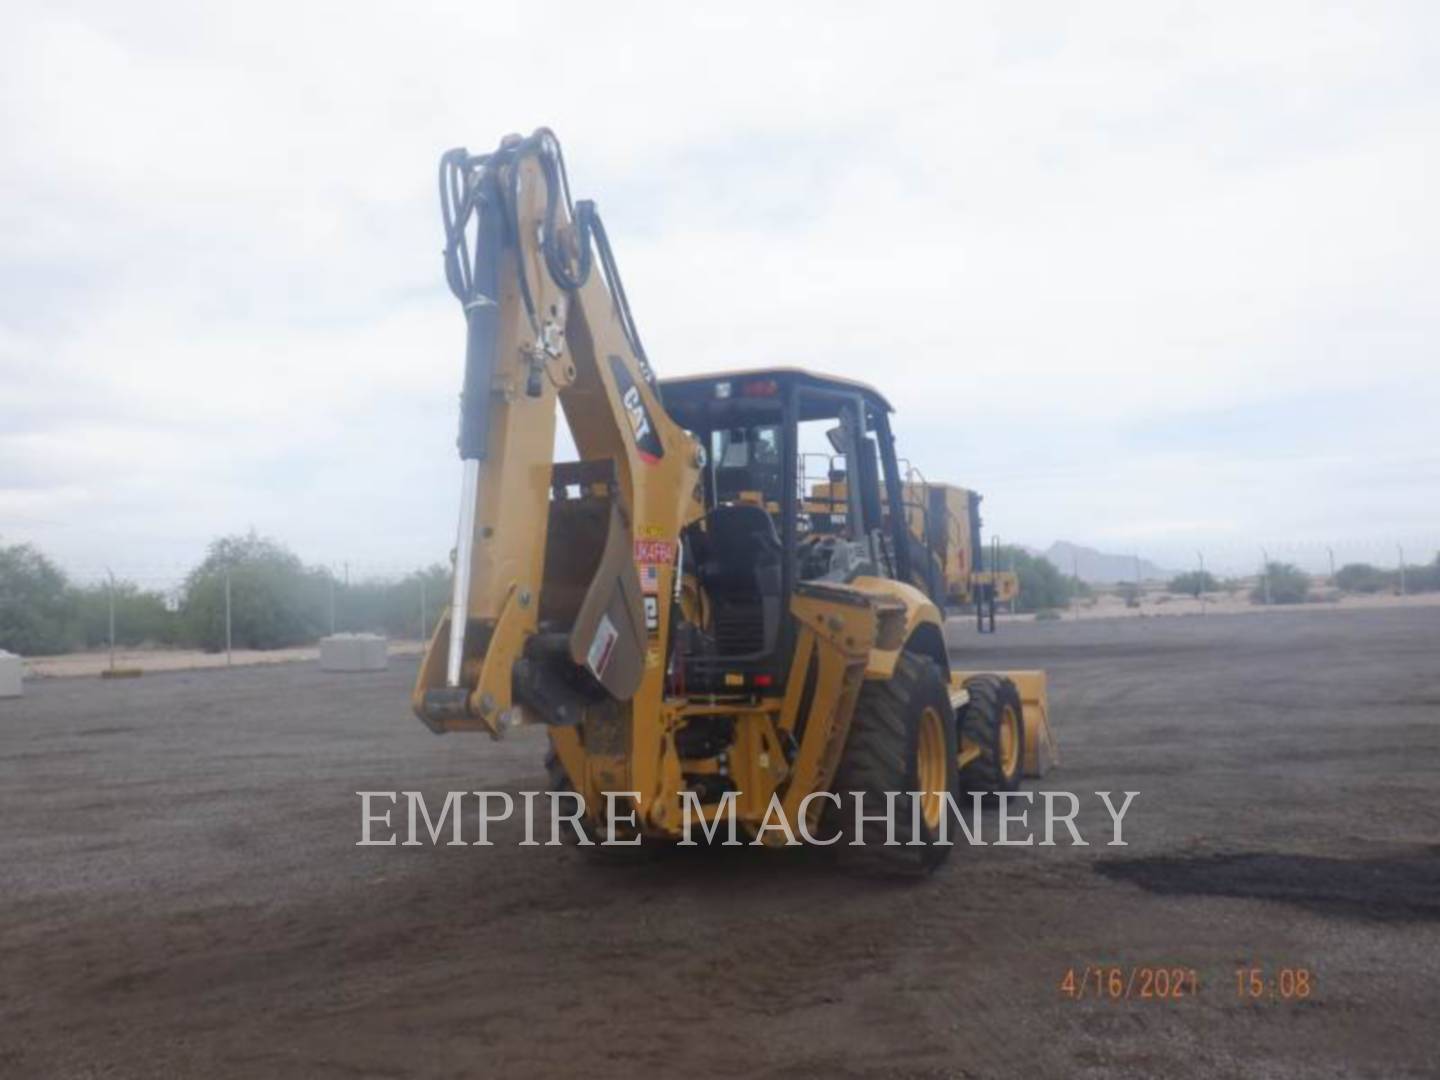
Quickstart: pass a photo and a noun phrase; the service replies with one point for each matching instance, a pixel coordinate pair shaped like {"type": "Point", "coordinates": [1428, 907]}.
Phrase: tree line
{"type": "Point", "coordinates": [275, 601]}
{"type": "Point", "coordinates": [1044, 588]}
{"type": "Point", "coordinates": [1285, 583]}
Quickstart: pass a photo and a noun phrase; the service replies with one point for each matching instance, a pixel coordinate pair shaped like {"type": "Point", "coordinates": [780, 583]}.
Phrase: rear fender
{"type": "Point", "coordinates": [908, 621]}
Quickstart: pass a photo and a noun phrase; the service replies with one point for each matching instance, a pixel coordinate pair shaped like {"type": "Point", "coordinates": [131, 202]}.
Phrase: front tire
{"type": "Point", "coordinates": [902, 739]}
{"type": "Point", "coordinates": [992, 723]}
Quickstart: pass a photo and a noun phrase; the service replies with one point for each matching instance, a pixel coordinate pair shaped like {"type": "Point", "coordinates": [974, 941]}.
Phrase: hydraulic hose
{"type": "Point", "coordinates": [471, 189]}
{"type": "Point", "coordinates": [475, 281]}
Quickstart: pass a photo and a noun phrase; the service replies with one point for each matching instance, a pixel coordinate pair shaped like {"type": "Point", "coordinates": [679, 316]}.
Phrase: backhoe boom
{"type": "Point", "coordinates": [548, 614]}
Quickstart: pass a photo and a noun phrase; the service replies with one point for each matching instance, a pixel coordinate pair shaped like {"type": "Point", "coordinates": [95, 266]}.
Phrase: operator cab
{"type": "Point", "coordinates": [795, 469]}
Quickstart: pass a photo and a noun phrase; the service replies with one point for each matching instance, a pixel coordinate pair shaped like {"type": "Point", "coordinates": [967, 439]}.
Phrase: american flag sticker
{"type": "Point", "coordinates": [649, 578]}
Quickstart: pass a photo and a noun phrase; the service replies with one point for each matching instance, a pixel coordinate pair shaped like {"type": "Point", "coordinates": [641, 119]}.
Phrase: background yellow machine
{"type": "Point", "coordinates": [669, 605]}
{"type": "Point", "coordinates": [950, 562]}
{"type": "Point", "coordinates": [947, 558]}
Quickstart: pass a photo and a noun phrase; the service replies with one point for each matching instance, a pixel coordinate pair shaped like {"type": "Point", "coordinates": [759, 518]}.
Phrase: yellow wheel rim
{"type": "Point", "coordinates": [930, 766]}
{"type": "Point", "coordinates": [1009, 742]}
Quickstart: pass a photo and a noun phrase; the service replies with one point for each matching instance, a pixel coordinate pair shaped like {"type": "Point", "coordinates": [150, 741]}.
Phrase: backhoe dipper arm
{"type": "Point", "coordinates": [562, 572]}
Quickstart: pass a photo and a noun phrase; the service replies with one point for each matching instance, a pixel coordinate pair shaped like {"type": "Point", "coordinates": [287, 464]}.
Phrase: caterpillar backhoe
{"type": "Point", "coordinates": [690, 629]}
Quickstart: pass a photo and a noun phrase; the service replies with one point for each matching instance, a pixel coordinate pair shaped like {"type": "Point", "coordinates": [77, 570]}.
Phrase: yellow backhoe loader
{"type": "Point", "coordinates": [691, 632]}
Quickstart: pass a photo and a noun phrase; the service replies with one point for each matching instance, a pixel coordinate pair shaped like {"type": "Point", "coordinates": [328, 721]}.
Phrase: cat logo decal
{"type": "Point", "coordinates": [642, 428]}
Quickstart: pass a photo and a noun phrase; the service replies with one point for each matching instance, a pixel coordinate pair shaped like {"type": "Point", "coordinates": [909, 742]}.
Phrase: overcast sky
{"type": "Point", "coordinates": [1152, 277]}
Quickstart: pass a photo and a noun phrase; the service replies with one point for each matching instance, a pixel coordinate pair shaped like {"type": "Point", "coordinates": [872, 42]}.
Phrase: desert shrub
{"type": "Point", "coordinates": [37, 605]}
{"type": "Point", "coordinates": [1042, 585]}
{"type": "Point", "coordinates": [1288, 584]}
{"type": "Point", "coordinates": [141, 617]}
{"type": "Point", "coordinates": [274, 600]}
{"type": "Point", "coordinates": [1424, 578]}
{"type": "Point", "coordinates": [393, 607]}
{"type": "Point", "coordinates": [1194, 583]}
{"type": "Point", "coordinates": [1363, 578]}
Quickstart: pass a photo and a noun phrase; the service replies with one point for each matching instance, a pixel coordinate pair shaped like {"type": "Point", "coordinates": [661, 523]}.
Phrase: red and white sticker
{"type": "Point", "coordinates": [660, 552]}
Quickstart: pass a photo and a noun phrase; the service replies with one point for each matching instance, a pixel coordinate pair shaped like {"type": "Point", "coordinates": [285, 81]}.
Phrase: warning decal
{"type": "Point", "coordinates": [602, 647]}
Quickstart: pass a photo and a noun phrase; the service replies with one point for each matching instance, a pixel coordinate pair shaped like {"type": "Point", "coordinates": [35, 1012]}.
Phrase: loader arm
{"type": "Point", "coordinates": [564, 572]}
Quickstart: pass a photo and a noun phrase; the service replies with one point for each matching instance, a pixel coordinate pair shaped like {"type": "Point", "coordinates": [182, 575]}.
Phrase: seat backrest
{"type": "Point", "coordinates": [741, 533]}
{"type": "Point", "coordinates": [739, 566]}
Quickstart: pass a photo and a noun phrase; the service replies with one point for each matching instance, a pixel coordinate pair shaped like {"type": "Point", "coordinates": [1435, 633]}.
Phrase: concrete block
{"type": "Point", "coordinates": [353, 652]}
{"type": "Point", "coordinates": [12, 674]}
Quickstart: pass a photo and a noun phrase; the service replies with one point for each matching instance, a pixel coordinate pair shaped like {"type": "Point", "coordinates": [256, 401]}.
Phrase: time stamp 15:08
{"type": "Point", "coordinates": [1154, 982]}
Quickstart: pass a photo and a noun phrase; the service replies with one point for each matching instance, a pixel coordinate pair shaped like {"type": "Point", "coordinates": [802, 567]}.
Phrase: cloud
{"type": "Point", "coordinates": [1089, 254]}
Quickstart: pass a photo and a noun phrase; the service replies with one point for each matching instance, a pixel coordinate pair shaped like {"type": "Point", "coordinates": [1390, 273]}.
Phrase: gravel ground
{"type": "Point", "coordinates": [180, 891]}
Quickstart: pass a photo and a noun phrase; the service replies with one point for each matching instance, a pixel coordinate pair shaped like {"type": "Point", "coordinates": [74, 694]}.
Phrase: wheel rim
{"type": "Point", "coordinates": [930, 766]}
{"type": "Point", "coordinates": [1009, 741]}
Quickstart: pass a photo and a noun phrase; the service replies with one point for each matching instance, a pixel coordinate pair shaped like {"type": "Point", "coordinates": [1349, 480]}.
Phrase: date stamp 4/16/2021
{"type": "Point", "coordinates": [1179, 982]}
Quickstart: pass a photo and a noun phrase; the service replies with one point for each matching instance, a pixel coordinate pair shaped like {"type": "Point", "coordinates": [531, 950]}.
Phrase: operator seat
{"type": "Point", "coordinates": [738, 558]}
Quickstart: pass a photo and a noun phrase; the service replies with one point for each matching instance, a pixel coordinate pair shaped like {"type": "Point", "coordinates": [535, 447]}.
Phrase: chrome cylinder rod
{"type": "Point", "coordinates": [464, 552]}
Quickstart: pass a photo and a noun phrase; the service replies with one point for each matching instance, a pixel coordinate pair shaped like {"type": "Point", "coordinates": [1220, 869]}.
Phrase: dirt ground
{"type": "Point", "coordinates": [180, 892]}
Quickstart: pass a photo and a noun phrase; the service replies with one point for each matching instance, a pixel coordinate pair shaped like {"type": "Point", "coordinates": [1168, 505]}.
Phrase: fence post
{"type": "Point", "coordinates": [227, 617]}
{"type": "Point", "coordinates": [1016, 595]}
{"type": "Point", "coordinates": [111, 575]}
{"type": "Point", "coordinates": [1075, 585]}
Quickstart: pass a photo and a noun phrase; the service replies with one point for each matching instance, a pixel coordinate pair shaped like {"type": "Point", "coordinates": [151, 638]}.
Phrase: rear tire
{"type": "Point", "coordinates": [902, 739]}
{"type": "Point", "coordinates": [992, 722]}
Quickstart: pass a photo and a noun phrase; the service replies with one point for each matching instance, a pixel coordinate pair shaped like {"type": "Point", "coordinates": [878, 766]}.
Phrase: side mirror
{"type": "Point", "coordinates": [838, 441]}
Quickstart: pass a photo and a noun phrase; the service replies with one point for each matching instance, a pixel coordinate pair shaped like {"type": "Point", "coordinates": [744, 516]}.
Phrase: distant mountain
{"type": "Point", "coordinates": [1100, 568]}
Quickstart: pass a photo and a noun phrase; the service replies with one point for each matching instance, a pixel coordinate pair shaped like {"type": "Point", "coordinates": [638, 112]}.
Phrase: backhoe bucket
{"type": "Point", "coordinates": [585, 644]}
{"type": "Point", "coordinates": [591, 591]}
